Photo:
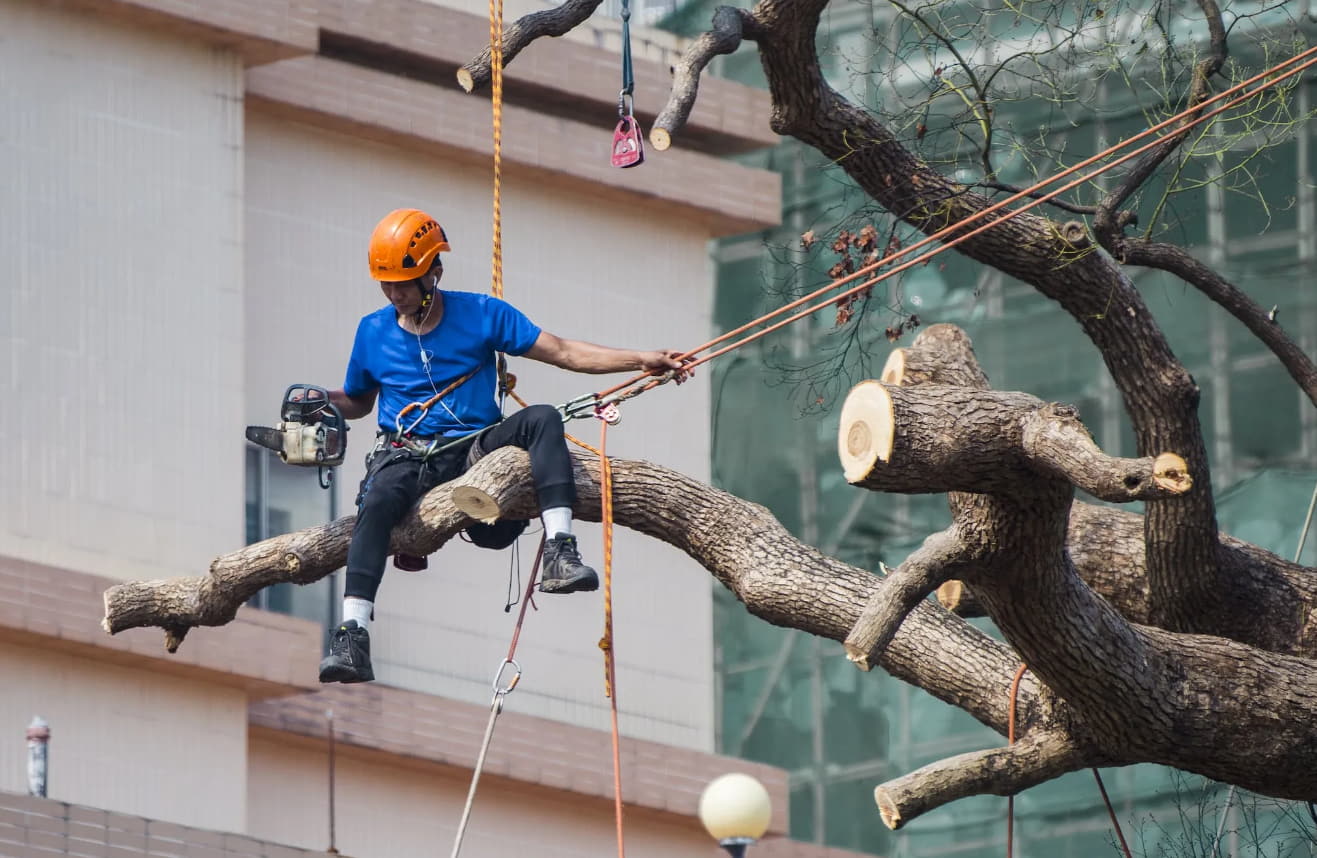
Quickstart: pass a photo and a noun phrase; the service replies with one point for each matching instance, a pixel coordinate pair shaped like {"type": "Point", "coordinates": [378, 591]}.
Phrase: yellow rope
{"type": "Point", "coordinates": [606, 642]}
{"type": "Point", "coordinates": [605, 475]}
{"type": "Point", "coordinates": [496, 97]}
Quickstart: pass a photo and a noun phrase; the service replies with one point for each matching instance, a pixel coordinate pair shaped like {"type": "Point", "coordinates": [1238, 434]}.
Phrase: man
{"type": "Point", "coordinates": [441, 347]}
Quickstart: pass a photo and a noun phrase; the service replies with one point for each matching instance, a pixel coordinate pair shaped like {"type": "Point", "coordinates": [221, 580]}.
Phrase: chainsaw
{"type": "Point", "coordinates": [311, 431]}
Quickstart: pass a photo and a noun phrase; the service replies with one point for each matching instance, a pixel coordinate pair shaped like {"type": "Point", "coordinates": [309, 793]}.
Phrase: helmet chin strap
{"type": "Point", "coordinates": [427, 299]}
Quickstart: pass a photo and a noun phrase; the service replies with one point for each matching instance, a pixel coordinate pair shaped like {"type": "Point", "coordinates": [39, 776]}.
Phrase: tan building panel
{"type": "Point", "coordinates": [727, 197]}
{"type": "Point", "coordinates": [526, 749]}
{"type": "Point", "coordinates": [260, 31]}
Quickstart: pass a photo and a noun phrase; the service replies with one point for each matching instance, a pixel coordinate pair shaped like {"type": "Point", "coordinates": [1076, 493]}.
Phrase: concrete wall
{"type": "Point", "coordinates": [581, 267]}
{"type": "Point", "coordinates": [176, 258]}
{"type": "Point", "coordinates": [121, 306]}
{"type": "Point", "coordinates": [385, 808]}
{"type": "Point", "coordinates": [127, 740]}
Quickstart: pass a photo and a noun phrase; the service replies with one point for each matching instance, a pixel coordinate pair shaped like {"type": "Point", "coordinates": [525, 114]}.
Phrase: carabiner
{"type": "Point", "coordinates": [626, 103]}
{"type": "Point", "coordinates": [417, 422]}
{"type": "Point", "coordinates": [504, 690]}
{"type": "Point", "coordinates": [582, 405]}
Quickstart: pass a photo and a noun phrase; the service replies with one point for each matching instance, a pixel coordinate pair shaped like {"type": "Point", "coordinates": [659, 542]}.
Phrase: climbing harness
{"type": "Point", "coordinates": [628, 141]}
{"type": "Point", "coordinates": [425, 449]}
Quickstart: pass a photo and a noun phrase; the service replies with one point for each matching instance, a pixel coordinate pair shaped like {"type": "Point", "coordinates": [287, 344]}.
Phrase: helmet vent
{"type": "Point", "coordinates": [408, 262]}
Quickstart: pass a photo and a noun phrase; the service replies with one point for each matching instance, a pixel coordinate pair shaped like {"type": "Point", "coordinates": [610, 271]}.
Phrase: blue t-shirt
{"type": "Point", "coordinates": [473, 329]}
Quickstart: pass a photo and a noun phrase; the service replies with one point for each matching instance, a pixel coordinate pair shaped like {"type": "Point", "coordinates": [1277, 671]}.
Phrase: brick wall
{"type": "Point", "coordinates": [43, 828]}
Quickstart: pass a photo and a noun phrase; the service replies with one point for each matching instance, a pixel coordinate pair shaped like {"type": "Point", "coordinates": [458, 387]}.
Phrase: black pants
{"type": "Point", "coordinates": [396, 479]}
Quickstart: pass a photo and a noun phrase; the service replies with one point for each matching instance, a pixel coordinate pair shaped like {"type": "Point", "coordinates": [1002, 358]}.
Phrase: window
{"type": "Point", "coordinates": [281, 499]}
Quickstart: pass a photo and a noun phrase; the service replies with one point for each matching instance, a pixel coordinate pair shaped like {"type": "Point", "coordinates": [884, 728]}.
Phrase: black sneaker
{"type": "Point", "coordinates": [349, 655]}
{"type": "Point", "coordinates": [562, 570]}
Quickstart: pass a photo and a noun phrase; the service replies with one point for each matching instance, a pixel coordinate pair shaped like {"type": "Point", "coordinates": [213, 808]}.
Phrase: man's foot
{"type": "Point", "coordinates": [562, 570]}
{"type": "Point", "coordinates": [349, 655]}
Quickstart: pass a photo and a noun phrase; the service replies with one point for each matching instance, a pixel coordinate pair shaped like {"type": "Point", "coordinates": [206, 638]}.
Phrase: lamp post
{"type": "Point", "coordinates": [38, 740]}
{"type": "Point", "coordinates": [735, 809]}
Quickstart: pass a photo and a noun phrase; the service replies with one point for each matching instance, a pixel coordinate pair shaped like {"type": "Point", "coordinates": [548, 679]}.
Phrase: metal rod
{"type": "Point", "coordinates": [329, 718]}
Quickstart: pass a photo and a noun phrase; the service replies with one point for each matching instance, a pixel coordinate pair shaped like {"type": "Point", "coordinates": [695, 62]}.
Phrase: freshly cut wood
{"type": "Point", "coordinates": [867, 430]}
{"type": "Point", "coordinates": [476, 503]}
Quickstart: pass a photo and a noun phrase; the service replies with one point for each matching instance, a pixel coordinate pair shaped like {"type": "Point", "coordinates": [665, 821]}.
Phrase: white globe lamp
{"type": "Point", "coordinates": [736, 810]}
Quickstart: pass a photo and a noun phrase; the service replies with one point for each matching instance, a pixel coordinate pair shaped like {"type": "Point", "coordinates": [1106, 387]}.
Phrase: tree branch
{"type": "Point", "coordinates": [932, 438]}
{"type": "Point", "coordinates": [1033, 760]}
{"type": "Point", "coordinates": [526, 29]}
{"type": "Point", "coordinates": [1106, 225]}
{"type": "Point", "coordinates": [1262, 323]}
{"type": "Point", "coordinates": [730, 26]}
{"type": "Point", "coordinates": [921, 573]}
{"type": "Point", "coordinates": [1059, 444]}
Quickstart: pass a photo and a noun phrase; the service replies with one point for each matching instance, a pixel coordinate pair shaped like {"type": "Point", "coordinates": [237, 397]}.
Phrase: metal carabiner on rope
{"type": "Point", "coordinates": [421, 407]}
{"type": "Point", "coordinates": [581, 406]}
{"type": "Point", "coordinates": [500, 690]}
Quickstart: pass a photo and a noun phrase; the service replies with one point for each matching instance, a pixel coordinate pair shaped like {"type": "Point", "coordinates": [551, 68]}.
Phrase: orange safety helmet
{"type": "Point", "coordinates": [404, 244]}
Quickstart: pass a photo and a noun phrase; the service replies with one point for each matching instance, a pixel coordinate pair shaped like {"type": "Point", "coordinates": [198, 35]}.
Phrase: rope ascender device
{"type": "Point", "coordinates": [311, 431]}
{"type": "Point", "coordinates": [628, 141]}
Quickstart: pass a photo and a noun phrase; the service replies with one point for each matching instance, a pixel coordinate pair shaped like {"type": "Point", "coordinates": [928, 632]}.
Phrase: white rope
{"type": "Point", "coordinates": [495, 707]}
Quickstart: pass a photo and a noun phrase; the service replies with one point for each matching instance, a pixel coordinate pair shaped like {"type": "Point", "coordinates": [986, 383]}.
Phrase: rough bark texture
{"type": "Point", "coordinates": [1148, 638]}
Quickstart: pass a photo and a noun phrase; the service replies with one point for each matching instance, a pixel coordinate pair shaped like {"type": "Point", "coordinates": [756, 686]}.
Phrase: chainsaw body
{"type": "Point", "coordinates": [311, 430]}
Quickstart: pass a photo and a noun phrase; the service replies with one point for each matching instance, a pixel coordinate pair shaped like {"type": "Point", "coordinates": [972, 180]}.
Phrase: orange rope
{"type": "Point", "coordinates": [1111, 811]}
{"type": "Point", "coordinates": [496, 98]}
{"type": "Point", "coordinates": [650, 382]}
{"type": "Point", "coordinates": [1010, 740]}
{"type": "Point", "coordinates": [1010, 800]}
{"type": "Point", "coordinates": [606, 642]}
{"type": "Point", "coordinates": [527, 598]}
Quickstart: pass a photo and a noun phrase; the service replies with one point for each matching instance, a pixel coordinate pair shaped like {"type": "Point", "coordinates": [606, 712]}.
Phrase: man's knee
{"type": "Point", "coordinates": [545, 419]}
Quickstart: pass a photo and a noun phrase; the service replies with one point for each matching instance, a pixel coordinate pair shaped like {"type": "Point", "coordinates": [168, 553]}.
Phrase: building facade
{"type": "Point", "coordinates": [187, 190]}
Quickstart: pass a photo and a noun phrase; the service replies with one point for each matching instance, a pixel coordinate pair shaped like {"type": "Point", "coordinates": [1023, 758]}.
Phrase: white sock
{"type": "Point", "coordinates": [557, 520]}
{"type": "Point", "coordinates": [358, 609]}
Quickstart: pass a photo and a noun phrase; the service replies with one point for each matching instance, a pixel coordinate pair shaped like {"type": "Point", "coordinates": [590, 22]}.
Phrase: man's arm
{"type": "Point", "coordinates": [353, 407]}
{"type": "Point", "coordinates": [579, 356]}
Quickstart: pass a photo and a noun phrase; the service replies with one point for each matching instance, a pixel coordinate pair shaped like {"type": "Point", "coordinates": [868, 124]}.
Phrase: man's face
{"type": "Point", "coordinates": [406, 295]}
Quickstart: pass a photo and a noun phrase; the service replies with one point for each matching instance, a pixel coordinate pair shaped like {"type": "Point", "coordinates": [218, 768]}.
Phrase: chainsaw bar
{"type": "Point", "coordinates": [267, 437]}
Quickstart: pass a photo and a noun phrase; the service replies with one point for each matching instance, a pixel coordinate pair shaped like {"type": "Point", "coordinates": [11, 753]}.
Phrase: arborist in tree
{"type": "Point", "coordinates": [432, 359]}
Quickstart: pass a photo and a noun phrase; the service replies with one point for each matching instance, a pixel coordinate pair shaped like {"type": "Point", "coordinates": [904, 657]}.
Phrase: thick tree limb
{"type": "Point", "coordinates": [1121, 693]}
{"type": "Point", "coordinates": [934, 438]}
{"type": "Point", "coordinates": [997, 771]}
